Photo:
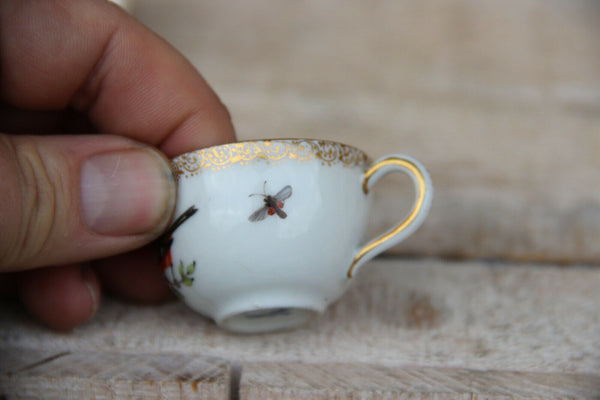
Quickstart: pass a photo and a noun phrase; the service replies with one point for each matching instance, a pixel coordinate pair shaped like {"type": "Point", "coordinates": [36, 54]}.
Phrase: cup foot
{"type": "Point", "coordinates": [267, 319]}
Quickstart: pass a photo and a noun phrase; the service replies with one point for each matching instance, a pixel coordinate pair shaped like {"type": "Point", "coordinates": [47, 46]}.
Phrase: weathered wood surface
{"type": "Point", "coordinates": [103, 375]}
{"type": "Point", "coordinates": [500, 100]}
{"type": "Point", "coordinates": [273, 381]}
{"type": "Point", "coordinates": [480, 319]}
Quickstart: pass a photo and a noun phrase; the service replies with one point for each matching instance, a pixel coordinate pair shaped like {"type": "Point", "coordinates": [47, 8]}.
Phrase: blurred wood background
{"type": "Point", "coordinates": [499, 297]}
{"type": "Point", "coordinates": [500, 100]}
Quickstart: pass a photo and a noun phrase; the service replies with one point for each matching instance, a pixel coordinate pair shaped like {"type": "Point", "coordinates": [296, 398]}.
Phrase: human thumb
{"type": "Point", "coordinates": [66, 199]}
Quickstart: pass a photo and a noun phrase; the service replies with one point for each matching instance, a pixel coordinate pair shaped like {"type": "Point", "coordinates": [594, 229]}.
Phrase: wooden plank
{"type": "Point", "coordinates": [266, 381]}
{"type": "Point", "coordinates": [426, 313]}
{"type": "Point", "coordinates": [475, 324]}
{"type": "Point", "coordinates": [502, 108]}
{"type": "Point", "coordinates": [102, 375]}
{"type": "Point", "coordinates": [21, 359]}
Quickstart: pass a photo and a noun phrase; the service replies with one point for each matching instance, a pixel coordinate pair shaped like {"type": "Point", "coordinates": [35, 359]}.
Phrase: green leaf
{"type": "Point", "coordinates": [187, 281]}
{"type": "Point", "coordinates": [190, 268]}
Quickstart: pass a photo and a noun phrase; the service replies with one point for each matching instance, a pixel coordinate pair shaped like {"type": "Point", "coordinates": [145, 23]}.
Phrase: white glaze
{"type": "Point", "coordinates": [275, 273]}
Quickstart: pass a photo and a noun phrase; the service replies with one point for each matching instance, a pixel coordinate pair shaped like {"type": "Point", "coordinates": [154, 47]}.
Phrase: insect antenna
{"type": "Point", "coordinates": [263, 194]}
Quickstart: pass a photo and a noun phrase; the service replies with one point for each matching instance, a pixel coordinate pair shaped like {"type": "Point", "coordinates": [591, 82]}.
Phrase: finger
{"type": "Point", "coordinates": [8, 288]}
{"type": "Point", "coordinates": [72, 198]}
{"type": "Point", "coordinates": [18, 121]}
{"type": "Point", "coordinates": [134, 276]}
{"type": "Point", "coordinates": [15, 120]}
{"type": "Point", "coordinates": [93, 56]}
{"type": "Point", "coordinates": [61, 297]}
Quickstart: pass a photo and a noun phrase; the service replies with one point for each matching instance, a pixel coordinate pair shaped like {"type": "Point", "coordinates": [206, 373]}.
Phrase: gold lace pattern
{"type": "Point", "coordinates": [269, 151]}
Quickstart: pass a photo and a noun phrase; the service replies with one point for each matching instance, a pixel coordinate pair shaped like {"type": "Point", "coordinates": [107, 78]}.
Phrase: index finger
{"type": "Point", "coordinates": [94, 57]}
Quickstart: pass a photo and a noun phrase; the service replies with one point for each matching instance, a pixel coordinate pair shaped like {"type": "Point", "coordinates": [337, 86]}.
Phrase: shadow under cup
{"type": "Point", "coordinates": [266, 231]}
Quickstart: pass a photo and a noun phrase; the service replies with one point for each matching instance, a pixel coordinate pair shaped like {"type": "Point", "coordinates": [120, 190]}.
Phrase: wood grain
{"type": "Point", "coordinates": [270, 381]}
{"type": "Point", "coordinates": [103, 375]}
{"type": "Point", "coordinates": [500, 101]}
{"type": "Point", "coordinates": [427, 313]}
{"type": "Point", "coordinates": [485, 322]}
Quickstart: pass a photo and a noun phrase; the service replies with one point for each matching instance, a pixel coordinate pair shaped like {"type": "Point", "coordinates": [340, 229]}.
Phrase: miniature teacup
{"type": "Point", "coordinates": [268, 233]}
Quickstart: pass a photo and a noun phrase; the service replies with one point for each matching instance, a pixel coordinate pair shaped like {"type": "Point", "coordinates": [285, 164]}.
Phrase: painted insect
{"type": "Point", "coordinates": [166, 239]}
{"type": "Point", "coordinates": [164, 243]}
{"type": "Point", "coordinates": [273, 204]}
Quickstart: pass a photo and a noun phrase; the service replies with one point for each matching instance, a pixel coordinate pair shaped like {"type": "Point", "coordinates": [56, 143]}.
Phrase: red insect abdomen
{"type": "Point", "coordinates": [167, 261]}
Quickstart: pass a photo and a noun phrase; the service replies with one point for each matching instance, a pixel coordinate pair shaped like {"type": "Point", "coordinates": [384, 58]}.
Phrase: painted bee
{"type": "Point", "coordinates": [273, 204]}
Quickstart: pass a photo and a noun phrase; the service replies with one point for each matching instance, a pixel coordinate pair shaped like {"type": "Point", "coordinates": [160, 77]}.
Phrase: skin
{"type": "Point", "coordinates": [86, 66]}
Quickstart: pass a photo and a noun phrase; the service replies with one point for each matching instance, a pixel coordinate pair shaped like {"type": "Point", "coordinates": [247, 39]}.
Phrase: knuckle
{"type": "Point", "coordinates": [41, 187]}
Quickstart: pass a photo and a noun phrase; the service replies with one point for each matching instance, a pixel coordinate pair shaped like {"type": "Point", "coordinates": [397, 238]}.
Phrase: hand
{"type": "Point", "coordinates": [66, 199]}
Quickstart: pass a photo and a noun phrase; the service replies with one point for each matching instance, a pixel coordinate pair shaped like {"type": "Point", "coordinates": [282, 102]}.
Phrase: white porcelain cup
{"type": "Point", "coordinates": [268, 233]}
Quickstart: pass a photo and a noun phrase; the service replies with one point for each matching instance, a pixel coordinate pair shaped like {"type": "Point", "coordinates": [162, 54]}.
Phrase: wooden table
{"type": "Point", "coordinates": [497, 296]}
{"type": "Point", "coordinates": [419, 329]}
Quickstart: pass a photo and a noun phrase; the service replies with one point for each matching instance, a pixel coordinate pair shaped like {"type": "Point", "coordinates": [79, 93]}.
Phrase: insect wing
{"type": "Point", "coordinates": [283, 194]}
{"type": "Point", "coordinates": [280, 212]}
{"type": "Point", "coordinates": [166, 239]}
{"type": "Point", "coordinates": [182, 218]}
{"type": "Point", "coordinates": [259, 214]}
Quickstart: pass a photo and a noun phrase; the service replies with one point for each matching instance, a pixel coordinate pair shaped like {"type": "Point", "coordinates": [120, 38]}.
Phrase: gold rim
{"type": "Point", "coordinates": [283, 139]}
{"type": "Point", "coordinates": [271, 151]}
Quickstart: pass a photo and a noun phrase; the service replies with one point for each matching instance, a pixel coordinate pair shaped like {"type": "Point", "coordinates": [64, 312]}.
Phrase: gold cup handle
{"type": "Point", "coordinates": [416, 217]}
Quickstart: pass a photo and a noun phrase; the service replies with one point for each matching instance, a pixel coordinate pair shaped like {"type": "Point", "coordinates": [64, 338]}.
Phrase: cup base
{"type": "Point", "coordinates": [267, 319]}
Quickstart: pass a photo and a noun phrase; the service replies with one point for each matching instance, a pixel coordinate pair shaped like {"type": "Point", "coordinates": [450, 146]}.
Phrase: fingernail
{"type": "Point", "coordinates": [127, 192]}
